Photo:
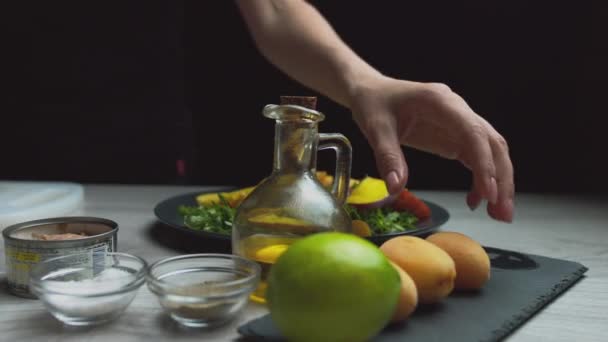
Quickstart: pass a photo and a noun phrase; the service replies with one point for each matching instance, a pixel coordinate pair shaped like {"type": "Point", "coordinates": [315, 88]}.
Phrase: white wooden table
{"type": "Point", "coordinates": [567, 227]}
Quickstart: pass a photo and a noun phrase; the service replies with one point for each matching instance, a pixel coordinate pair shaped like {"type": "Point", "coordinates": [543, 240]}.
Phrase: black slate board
{"type": "Point", "coordinates": [520, 285]}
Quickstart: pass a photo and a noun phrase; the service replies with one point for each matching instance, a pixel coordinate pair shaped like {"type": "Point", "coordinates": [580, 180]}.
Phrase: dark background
{"type": "Point", "coordinates": [116, 92]}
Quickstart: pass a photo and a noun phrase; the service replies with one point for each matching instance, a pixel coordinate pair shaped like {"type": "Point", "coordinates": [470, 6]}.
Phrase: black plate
{"type": "Point", "coordinates": [166, 212]}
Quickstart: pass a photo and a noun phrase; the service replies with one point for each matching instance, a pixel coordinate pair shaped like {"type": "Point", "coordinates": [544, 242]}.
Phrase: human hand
{"type": "Point", "coordinates": [432, 118]}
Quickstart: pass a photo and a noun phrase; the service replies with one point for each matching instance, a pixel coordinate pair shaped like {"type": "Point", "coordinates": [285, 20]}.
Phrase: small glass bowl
{"type": "Point", "coordinates": [203, 290]}
{"type": "Point", "coordinates": [88, 288]}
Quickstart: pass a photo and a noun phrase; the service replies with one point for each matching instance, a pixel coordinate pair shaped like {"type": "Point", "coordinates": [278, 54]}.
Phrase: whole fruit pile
{"type": "Point", "coordinates": [340, 287]}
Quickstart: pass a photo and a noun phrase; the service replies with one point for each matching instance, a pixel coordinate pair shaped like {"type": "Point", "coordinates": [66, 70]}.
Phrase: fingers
{"type": "Point", "coordinates": [492, 170]}
{"type": "Point", "coordinates": [493, 149]}
{"type": "Point", "coordinates": [477, 155]}
{"type": "Point", "coordinates": [487, 156]}
{"type": "Point", "coordinates": [473, 200]}
{"type": "Point", "coordinates": [382, 136]}
{"type": "Point", "coordinates": [391, 164]}
{"type": "Point", "coordinates": [474, 149]}
{"type": "Point", "coordinates": [503, 208]}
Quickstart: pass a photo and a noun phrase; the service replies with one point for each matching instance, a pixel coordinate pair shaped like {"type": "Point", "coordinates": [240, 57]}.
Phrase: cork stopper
{"type": "Point", "coordinates": [309, 102]}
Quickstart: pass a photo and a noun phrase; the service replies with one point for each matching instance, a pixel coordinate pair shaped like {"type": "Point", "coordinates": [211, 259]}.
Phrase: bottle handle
{"type": "Point", "coordinates": [344, 151]}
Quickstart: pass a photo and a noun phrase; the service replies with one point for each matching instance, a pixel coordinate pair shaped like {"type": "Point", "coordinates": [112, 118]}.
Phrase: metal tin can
{"type": "Point", "coordinates": [23, 251]}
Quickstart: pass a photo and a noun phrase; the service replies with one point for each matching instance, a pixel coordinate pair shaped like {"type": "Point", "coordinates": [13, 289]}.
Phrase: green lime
{"type": "Point", "coordinates": [332, 287]}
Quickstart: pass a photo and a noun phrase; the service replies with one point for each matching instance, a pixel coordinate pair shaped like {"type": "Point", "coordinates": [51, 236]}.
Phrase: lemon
{"type": "Point", "coordinates": [271, 253]}
{"type": "Point", "coordinates": [332, 287]}
{"type": "Point", "coordinates": [369, 190]}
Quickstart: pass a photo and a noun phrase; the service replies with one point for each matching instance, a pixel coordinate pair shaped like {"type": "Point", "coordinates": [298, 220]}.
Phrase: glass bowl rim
{"type": "Point", "coordinates": [37, 285]}
{"type": "Point", "coordinates": [158, 286]}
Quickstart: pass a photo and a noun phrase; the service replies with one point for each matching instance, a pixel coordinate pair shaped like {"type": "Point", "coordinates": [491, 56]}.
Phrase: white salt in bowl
{"type": "Point", "coordinates": [88, 288]}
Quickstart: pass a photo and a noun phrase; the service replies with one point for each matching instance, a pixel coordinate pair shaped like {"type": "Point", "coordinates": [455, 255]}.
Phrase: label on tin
{"type": "Point", "coordinates": [21, 259]}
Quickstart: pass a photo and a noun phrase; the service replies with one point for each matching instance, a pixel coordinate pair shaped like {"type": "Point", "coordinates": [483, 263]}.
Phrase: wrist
{"type": "Point", "coordinates": [359, 82]}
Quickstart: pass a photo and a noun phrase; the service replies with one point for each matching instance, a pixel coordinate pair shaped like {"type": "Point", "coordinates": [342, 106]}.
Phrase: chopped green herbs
{"type": "Point", "coordinates": [218, 218]}
{"type": "Point", "coordinates": [384, 220]}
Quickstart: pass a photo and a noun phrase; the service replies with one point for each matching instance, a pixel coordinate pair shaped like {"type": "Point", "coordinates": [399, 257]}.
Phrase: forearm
{"type": "Point", "coordinates": [296, 38]}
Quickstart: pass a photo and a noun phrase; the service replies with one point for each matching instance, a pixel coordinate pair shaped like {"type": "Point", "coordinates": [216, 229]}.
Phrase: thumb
{"type": "Point", "coordinates": [389, 159]}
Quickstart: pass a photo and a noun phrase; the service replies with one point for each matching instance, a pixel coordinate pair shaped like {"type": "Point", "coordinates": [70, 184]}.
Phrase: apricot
{"type": "Point", "coordinates": [472, 261]}
{"type": "Point", "coordinates": [325, 179]}
{"type": "Point", "coordinates": [408, 297]}
{"type": "Point", "coordinates": [361, 228]}
{"type": "Point", "coordinates": [431, 268]}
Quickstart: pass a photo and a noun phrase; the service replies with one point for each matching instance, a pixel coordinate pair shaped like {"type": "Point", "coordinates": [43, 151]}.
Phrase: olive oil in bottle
{"type": "Point", "coordinates": [291, 203]}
